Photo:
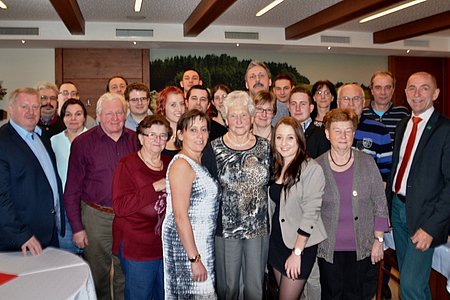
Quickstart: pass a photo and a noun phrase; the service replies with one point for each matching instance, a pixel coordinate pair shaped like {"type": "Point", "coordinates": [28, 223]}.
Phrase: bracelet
{"type": "Point", "coordinates": [195, 259]}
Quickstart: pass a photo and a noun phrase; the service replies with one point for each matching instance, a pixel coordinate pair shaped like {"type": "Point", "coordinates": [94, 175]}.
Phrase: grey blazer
{"type": "Point", "coordinates": [301, 208]}
{"type": "Point", "coordinates": [368, 201]}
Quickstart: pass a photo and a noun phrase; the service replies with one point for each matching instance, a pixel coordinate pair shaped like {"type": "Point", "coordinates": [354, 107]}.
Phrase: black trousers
{"type": "Point", "coordinates": [346, 278]}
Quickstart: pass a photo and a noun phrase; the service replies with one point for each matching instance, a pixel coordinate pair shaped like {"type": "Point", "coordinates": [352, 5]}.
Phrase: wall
{"type": "Point", "coordinates": [335, 67]}
{"type": "Point", "coordinates": [25, 67]}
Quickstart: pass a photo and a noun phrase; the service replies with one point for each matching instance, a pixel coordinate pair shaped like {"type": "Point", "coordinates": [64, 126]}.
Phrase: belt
{"type": "Point", "coordinates": [105, 209]}
{"type": "Point", "coordinates": [401, 197]}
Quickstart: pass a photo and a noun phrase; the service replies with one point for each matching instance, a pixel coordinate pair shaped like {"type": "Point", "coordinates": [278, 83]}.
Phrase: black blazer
{"type": "Point", "coordinates": [316, 141]}
{"type": "Point", "coordinates": [428, 185]}
{"type": "Point", "coordinates": [26, 197]}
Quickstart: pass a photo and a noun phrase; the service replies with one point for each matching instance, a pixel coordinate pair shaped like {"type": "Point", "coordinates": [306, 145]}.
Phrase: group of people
{"type": "Point", "coordinates": [199, 197]}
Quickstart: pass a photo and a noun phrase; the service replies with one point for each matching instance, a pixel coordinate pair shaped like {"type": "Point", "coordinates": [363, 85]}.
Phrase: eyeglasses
{"type": "Point", "coordinates": [325, 93]}
{"type": "Point", "coordinates": [220, 97]}
{"type": "Point", "coordinates": [154, 136]}
{"type": "Point", "coordinates": [261, 110]}
{"type": "Point", "coordinates": [44, 97]}
{"type": "Point", "coordinates": [141, 99]}
{"type": "Point", "coordinates": [355, 99]}
{"type": "Point", "coordinates": [67, 93]}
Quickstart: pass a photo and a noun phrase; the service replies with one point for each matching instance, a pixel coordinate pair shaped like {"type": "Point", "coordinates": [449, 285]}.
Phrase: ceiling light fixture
{"type": "Point", "coordinates": [137, 5]}
{"type": "Point", "coordinates": [22, 41]}
{"type": "Point", "coordinates": [407, 51]}
{"type": "Point", "coordinates": [329, 48]}
{"type": "Point", "coordinates": [3, 5]}
{"type": "Point", "coordinates": [390, 11]}
{"type": "Point", "coordinates": [268, 7]}
{"type": "Point", "coordinates": [134, 43]}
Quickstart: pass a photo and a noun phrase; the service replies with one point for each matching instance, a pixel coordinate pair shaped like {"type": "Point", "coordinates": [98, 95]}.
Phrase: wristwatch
{"type": "Point", "coordinates": [195, 259]}
{"type": "Point", "coordinates": [379, 238]}
{"type": "Point", "coordinates": [298, 251]}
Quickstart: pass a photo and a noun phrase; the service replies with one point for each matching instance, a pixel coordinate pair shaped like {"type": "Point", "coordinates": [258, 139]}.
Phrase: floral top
{"type": "Point", "coordinates": [243, 176]}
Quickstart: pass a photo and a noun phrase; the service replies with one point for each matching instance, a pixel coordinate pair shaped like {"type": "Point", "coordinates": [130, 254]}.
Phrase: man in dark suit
{"type": "Point", "coordinates": [300, 107]}
{"type": "Point", "coordinates": [31, 210]}
{"type": "Point", "coordinates": [419, 186]}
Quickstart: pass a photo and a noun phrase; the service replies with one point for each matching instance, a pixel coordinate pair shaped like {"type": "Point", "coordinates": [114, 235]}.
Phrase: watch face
{"type": "Point", "coordinates": [297, 251]}
{"type": "Point", "coordinates": [380, 239]}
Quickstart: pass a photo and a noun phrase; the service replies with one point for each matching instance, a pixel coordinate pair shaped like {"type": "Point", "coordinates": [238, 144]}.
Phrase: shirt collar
{"type": "Point", "coordinates": [22, 132]}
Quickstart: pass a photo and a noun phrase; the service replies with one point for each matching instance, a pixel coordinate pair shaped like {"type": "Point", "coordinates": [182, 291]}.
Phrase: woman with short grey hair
{"type": "Point", "coordinates": [241, 163]}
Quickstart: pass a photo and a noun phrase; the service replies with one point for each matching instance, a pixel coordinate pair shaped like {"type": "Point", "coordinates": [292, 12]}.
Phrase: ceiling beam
{"type": "Point", "coordinates": [70, 14]}
{"type": "Point", "coordinates": [332, 16]}
{"type": "Point", "coordinates": [419, 27]}
{"type": "Point", "coordinates": [203, 15]}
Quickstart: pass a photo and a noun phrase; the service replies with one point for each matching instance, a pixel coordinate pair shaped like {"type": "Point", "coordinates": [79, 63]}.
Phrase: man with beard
{"type": "Point", "coordinates": [49, 120]}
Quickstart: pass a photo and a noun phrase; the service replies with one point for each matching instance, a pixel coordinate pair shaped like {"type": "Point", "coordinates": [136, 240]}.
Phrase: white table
{"type": "Point", "coordinates": [54, 274]}
{"type": "Point", "coordinates": [441, 257]}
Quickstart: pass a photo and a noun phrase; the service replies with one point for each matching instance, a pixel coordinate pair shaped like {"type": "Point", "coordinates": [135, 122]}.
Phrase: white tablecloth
{"type": "Point", "coordinates": [441, 257]}
{"type": "Point", "coordinates": [54, 274]}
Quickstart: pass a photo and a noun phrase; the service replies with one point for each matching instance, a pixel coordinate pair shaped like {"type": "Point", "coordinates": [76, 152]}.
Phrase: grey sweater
{"type": "Point", "coordinates": [368, 201]}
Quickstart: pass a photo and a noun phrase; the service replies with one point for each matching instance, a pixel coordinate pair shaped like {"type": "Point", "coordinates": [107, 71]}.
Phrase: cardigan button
{"type": "Point", "coordinates": [282, 220]}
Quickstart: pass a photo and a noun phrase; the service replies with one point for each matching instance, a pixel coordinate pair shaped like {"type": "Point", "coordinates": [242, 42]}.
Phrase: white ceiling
{"type": "Point", "coordinates": [166, 18]}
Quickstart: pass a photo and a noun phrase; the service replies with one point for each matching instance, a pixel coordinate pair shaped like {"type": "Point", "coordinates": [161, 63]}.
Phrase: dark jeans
{"type": "Point", "coordinates": [143, 279]}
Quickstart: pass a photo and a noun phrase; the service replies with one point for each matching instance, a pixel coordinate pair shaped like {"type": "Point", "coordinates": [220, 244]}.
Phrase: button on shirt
{"type": "Point", "coordinates": [420, 128]}
{"type": "Point", "coordinates": [34, 142]}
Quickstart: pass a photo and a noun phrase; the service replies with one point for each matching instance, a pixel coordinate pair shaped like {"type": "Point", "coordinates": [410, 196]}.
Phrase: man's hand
{"type": "Point", "coordinates": [422, 240]}
{"type": "Point", "coordinates": [80, 239]}
{"type": "Point", "coordinates": [33, 245]}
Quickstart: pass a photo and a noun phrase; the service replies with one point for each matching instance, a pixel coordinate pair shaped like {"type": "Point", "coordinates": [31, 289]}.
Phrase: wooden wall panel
{"type": "Point", "coordinates": [90, 69]}
{"type": "Point", "coordinates": [403, 66]}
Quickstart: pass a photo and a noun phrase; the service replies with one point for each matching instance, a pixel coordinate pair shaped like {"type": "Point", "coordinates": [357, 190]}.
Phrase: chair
{"type": "Point", "coordinates": [390, 258]}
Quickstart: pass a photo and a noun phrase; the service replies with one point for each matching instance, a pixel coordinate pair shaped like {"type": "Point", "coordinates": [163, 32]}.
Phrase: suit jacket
{"type": "Point", "coordinates": [316, 141]}
{"type": "Point", "coordinates": [301, 208]}
{"type": "Point", "coordinates": [428, 185]}
{"type": "Point", "coordinates": [26, 197]}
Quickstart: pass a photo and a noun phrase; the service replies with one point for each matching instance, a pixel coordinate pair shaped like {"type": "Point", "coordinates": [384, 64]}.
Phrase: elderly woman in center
{"type": "Point", "coordinates": [354, 212]}
{"type": "Point", "coordinates": [241, 162]}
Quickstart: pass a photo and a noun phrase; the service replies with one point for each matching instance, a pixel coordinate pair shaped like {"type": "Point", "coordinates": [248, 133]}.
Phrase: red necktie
{"type": "Point", "coordinates": [408, 150]}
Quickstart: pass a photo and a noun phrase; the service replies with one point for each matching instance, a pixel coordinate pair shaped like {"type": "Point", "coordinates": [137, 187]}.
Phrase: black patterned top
{"type": "Point", "coordinates": [243, 176]}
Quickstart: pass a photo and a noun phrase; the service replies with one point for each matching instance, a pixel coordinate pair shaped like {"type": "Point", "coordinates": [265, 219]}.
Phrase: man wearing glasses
{"type": "Point", "coordinates": [49, 120]}
{"type": "Point", "coordinates": [69, 90]}
{"type": "Point", "coordinates": [137, 96]}
{"type": "Point", "coordinates": [371, 137]}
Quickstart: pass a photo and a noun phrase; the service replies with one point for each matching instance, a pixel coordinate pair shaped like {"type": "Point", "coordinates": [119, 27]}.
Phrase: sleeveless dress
{"type": "Point", "coordinates": [203, 209]}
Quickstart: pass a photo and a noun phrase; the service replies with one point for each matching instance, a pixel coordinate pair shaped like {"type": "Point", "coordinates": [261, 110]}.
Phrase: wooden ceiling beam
{"type": "Point", "coordinates": [419, 27]}
{"type": "Point", "coordinates": [334, 15]}
{"type": "Point", "coordinates": [70, 14]}
{"type": "Point", "coordinates": [203, 15]}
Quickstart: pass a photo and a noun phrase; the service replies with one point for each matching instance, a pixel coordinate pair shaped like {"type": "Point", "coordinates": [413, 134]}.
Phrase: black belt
{"type": "Point", "coordinates": [401, 198]}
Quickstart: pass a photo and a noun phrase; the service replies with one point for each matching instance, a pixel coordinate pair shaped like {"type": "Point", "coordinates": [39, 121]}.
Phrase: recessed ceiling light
{"type": "Point", "coordinates": [407, 51]}
{"type": "Point", "coordinates": [134, 43]}
{"type": "Point", "coordinates": [390, 11]}
{"type": "Point", "coordinates": [237, 44]}
{"type": "Point", "coordinates": [268, 7]}
{"type": "Point", "coordinates": [137, 5]}
{"type": "Point", "coordinates": [329, 48]}
{"type": "Point", "coordinates": [3, 5]}
{"type": "Point", "coordinates": [23, 41]}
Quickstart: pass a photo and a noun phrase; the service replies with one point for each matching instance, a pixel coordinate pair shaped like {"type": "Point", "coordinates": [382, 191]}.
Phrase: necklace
{"type": "Point", "coordinates": [351, 151]}
{"type": "Point", "coordinates": [158, 168]}
{"type": "Point", "coordinates": [237, 144]}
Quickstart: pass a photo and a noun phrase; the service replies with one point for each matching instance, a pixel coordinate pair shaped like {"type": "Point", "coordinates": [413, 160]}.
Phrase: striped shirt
{"type": "Point", "coordinates": [373, 138]}
{"type": "Point", "coordinates": [390, 118]}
